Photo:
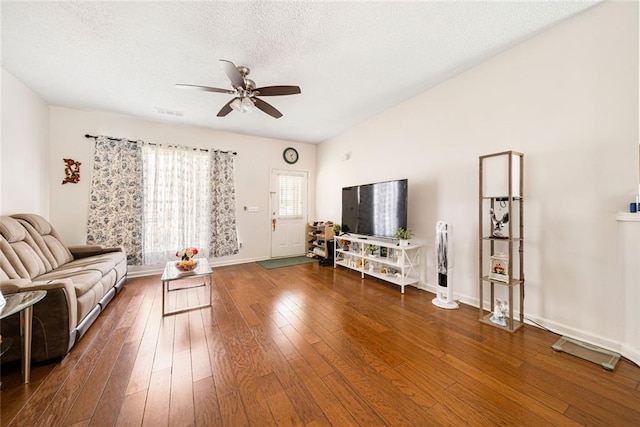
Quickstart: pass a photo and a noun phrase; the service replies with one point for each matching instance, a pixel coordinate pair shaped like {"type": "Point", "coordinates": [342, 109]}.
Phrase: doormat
{"type": "Point", "coordinates": [591, 353]}
{"type": "Point", "coordinates": [286, 262]}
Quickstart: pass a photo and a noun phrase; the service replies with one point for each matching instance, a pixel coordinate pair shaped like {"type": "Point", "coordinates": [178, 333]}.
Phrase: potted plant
{"type": "Point", "coordinates": [403, 236]}
{"type": "Point", "coordinates": [336, 229]}
{"type": "Point", "coordinates": [372, 249]}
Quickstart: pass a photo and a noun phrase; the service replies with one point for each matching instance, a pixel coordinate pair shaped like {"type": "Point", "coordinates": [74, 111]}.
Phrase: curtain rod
{"type": "Point", "coordinates": [135, 142]}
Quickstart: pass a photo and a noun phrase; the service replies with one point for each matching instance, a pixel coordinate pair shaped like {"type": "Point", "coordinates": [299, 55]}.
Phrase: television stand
{"type": "Point", "coordinates": [384, 260]}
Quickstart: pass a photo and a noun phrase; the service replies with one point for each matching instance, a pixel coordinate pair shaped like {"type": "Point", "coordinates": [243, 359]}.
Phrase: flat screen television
{"type": "Point", "coordinates": [377, 209]}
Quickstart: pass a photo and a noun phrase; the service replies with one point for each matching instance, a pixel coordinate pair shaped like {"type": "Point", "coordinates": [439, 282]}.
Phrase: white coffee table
{"type": "Point", "coordinates": [172, 274]}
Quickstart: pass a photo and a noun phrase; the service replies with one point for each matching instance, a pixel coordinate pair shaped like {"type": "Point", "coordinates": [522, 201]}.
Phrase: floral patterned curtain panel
{"type": "Point", "coordinates": [116, 201]}
{"type": "Point", "coordinates": [224, 236]}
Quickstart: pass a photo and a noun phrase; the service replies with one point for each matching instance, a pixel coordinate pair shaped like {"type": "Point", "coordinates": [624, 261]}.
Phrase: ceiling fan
{"type": "Point", "coordinates": [245, 91]}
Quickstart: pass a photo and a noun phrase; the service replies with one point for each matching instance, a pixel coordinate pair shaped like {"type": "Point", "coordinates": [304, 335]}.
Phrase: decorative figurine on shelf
{"type": "Point", "coordinates": [499, 267]}
{"type": "Point", "coordinates": [500, 312]}
{"type": "Point", "coordinates": [498, 224]}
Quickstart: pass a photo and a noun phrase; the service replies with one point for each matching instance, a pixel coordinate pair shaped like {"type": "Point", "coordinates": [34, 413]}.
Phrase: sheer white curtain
{"type": "Point", "coordinates": [177, 201]}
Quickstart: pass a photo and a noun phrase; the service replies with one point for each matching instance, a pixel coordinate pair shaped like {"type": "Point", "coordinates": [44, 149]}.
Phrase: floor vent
{"type": "Point", "coordinates": [605, 358]}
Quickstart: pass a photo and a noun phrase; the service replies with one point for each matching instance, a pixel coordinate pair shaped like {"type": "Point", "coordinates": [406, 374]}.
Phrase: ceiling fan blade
{"type": "Point", "coordinates": [205, 88]}
{"type": "Point", "coordinates": [234, 75]}
{"type": "Point", "coordinates": [267, 108]}
{"type": "Point", "coordinates": [227, 108]}
{"type": "Point", "coordinates": [277, 90]}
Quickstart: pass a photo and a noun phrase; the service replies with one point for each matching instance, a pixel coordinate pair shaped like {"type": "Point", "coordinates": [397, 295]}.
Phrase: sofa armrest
{"type": "Point", "coordinates": [11, 286]}
{"type": "Point", "coordinates": [84, 251]}
{"type": "Point", "coordinates": [65, 285]}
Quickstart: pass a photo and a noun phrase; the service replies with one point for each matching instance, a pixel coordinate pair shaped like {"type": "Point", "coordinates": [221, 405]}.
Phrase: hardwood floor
{"type": "Point", "coordinates": [310, 345]}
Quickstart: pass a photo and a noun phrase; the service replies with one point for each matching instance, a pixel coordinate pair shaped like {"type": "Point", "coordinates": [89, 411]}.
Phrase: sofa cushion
{"type": "Point", "coordinates": [46, 238]}
{"type": "Point", "coordinates": [8, 259]}
{"type": "Point", "coordinates": [25, 257]}
{"type": "Point", "coordinates": [12, 230]}
{"type": "Point", "coordinates": [41, 225]}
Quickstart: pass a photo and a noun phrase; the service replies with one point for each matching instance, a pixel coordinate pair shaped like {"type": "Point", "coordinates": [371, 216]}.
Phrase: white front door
{"type": "Point", "coordinates": [288, 212]}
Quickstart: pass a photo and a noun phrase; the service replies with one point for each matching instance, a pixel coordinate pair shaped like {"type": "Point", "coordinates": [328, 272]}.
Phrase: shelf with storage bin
{"type": "Point", "coordinates": [501, 240]}
{"type": "Point", "coordinates": [318, 236]}
{"type": "Point", "coordinates": [395, 264]}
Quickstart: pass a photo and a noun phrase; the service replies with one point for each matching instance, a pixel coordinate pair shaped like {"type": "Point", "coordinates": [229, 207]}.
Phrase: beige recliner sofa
{"type": "Point", "coordinates": [80, 281]}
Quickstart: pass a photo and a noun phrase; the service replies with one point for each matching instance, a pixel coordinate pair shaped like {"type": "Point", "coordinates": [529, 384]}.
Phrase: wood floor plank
{"type": "Point", "coordinates": [143, 366]}
{"type": "Point", "coordinates": [475, 378]}
{"type": "Point", "coordinates": [373, 388]}
{"type": "Point", "coordinates": [132, 410]}
{"type": "Point", "coordinates": [205, 400]}
{"type": "Point", "coordinates": [97, 380]}
{"type": "Point", "coordinates": [499, 408]}
{"type": "Point", "coordinates": [282, 409]}
{"type": "Point", "coordinates": [181, 406]}
{"type": "Point", "coordinates": [357, 407]}
{"type": "Point", "coordinates": [328, 402]}
{"type": "Point", "coordinates": [232, 410]}
{"type": "Point", "coordinates": [307, 351]}
{"type": "Point", "coordinates": [313, 346]}
{"type": "Point", "coordinates": [156, 410]}
{"type": "Point", "coordinates": [112, 397]}
{"type": "Point", "coordinates": [200, 364]}
{"type": "Point", "coordinates": [163, 357]}
{"type": "Point", "coordinates": [221, 364]}
{"type": "Point", "coordinates": [139, 324]}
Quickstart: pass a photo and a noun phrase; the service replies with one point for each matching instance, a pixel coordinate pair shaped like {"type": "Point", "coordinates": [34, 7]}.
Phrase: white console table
{"type": "Point", "coordinates": [396, 264]}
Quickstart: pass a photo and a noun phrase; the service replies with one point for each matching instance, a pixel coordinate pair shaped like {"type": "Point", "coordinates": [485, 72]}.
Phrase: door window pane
{"type": "Point", "coordinates": [291, 193]}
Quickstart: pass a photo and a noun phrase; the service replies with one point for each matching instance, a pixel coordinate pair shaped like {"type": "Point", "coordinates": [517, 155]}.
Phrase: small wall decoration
{"type": "Point", "coordinates": [71, 171]}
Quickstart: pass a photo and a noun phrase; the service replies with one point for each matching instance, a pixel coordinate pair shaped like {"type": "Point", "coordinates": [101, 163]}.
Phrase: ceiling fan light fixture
{"type": "Point", "coordinates": [247, 105]}
{"type": "Point", "coordinates": [245, 92]}
{"type": "Point", "coordinates": [236, 104]}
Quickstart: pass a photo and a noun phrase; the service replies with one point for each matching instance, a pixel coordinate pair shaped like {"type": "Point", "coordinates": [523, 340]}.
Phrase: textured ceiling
{"type": "Point", "coordinates": [352, 60]}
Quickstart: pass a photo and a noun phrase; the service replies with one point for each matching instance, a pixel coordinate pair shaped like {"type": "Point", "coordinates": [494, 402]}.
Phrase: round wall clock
{"type": "Point", "coordinates": [290, 155]}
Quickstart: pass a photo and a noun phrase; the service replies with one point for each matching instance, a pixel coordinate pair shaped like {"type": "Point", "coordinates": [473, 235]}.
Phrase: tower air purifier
{"type": "Point", "coordinates": [444, 291]}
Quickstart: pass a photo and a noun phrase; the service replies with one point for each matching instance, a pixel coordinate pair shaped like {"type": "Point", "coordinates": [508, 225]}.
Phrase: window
{"type": "Point", "coordinates": [155, 200]}
{"type": "Point", "coordinates": [291, 191]}
{"type": "Point", "coordinates": [177, 188]}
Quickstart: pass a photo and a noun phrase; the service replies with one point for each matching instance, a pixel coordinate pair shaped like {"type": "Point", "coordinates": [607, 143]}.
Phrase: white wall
{"type": "Point", "coordinates": [256, 157]}
{"type": "Point", "coordinates": [567, 99]}
{"type": "Point", "coordinates": [24, 151]}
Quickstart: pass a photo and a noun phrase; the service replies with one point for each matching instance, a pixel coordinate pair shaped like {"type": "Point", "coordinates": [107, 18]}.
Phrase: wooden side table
{"type": "Point", "coordinates": [23, 303]}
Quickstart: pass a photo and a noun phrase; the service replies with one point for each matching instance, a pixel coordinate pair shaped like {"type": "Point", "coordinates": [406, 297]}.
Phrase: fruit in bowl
{"type": "Point", "coordinates": [187, 265]}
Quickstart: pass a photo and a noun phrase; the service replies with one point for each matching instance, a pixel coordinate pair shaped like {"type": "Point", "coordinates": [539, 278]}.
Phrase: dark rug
{"type": "Point", "coordinates": [286, 262]}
